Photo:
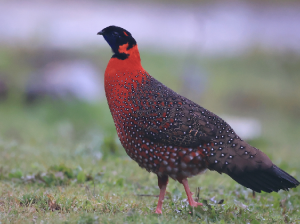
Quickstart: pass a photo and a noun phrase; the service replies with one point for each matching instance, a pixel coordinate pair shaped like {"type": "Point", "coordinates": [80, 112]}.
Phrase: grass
{"type": "Point", "coordinates": [60, 162]}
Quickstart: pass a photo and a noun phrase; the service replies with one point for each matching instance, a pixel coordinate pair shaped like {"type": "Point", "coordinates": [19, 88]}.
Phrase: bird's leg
{"type": "Point", "coordinates": [189, 193]}
{"type": "Point", "coordinates": [162, 184]}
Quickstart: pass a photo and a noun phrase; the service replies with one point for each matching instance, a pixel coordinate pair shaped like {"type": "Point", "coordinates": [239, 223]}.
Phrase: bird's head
{"type": "Point", "coordinates": [119, 39]}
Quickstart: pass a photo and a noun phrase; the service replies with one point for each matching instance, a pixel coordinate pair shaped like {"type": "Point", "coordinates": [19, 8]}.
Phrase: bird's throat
{"type": "Point", "coordinates": [119, 73]}
{"type": "Point", "coordinates": [126, 50]}
{"type": "Point", "coordinates": [131, 63]}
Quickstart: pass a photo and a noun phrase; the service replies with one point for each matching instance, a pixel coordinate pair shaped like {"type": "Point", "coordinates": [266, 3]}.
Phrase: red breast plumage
{"type": "Point", "coordinates": [170, 135]}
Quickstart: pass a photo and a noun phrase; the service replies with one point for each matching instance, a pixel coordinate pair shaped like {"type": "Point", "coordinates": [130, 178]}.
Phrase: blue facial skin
{"type": "Point", "coordinates": [112, 40]}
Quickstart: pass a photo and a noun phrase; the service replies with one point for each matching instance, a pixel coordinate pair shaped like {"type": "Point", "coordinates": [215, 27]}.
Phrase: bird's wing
{"type": "Point", "coordinates": [166, 117]}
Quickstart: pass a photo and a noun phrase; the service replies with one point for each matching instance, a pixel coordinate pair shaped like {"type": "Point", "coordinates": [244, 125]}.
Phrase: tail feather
{"type": "Point", "coordinates": [269, 180]}
{"type": "Point", "coordinates": [287, 179]}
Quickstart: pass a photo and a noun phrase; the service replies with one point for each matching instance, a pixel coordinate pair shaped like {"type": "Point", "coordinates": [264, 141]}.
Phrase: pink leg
{"type": "Point", "coordinates": [189, 194]}
{"type": "Point", "coordinates": [162, 183]}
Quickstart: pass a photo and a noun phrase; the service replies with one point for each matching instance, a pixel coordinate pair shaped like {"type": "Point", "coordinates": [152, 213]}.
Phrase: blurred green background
{"type": "Point", "coordinates": [241, 60]}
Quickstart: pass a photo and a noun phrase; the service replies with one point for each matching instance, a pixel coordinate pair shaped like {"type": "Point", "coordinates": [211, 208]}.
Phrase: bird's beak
{"type": "Point", "coordinates": [100, 33]}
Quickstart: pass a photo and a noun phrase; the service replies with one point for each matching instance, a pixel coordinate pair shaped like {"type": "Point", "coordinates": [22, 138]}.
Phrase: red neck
{"type": "Point", "coordinates": [119, 72]}
{"type": "Point", "coordinates": [133, 62]}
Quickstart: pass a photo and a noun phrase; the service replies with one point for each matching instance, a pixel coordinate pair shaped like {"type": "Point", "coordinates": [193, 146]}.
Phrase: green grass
{"type": "Point", "coordinates": [60, 162]}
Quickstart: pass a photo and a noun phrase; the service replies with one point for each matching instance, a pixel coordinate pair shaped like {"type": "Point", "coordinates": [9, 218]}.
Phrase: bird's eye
{"type": "Point", "coordinates": [115, 33]}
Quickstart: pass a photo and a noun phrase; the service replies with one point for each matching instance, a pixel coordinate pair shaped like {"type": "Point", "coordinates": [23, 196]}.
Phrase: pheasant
{"type": "Point", "coordinates": [172, 136]}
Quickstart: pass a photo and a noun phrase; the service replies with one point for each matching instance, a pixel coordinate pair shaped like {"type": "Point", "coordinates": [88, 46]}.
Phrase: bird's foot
{"type": "Point", "coordinates": [158, 211]}
{"type": "Point", "coordinates": [195, 204]}
{"type": "Point", "coordinates": [162, 183]}
{"type": "Point", "coordinates": [189, 194]}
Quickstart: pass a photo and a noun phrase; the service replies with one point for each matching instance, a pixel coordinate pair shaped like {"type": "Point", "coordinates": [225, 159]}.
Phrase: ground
{"type": "Point", "coordinates": [60, 162]}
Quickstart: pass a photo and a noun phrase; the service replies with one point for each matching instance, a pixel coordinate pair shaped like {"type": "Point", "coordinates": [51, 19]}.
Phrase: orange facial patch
{"type": "Point", "coordinates": [123, 48]}
{"type": "Point", "coordinates": [125, 34]}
